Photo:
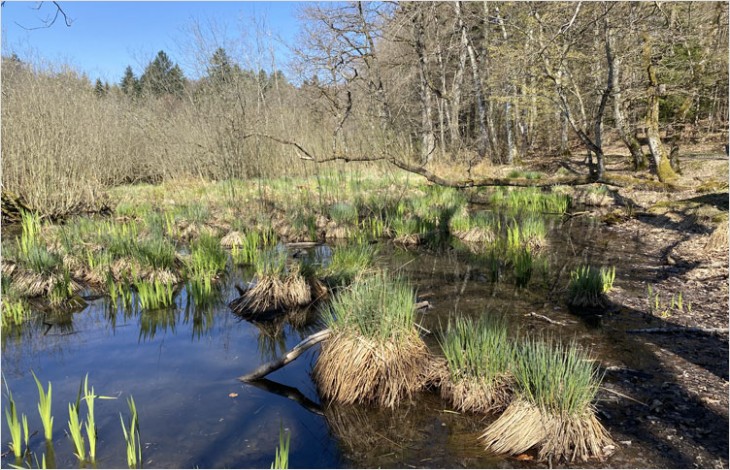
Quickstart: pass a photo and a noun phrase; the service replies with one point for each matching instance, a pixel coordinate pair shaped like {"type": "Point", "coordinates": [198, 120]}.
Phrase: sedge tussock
{"type": "Point", "coordinates": [556, 385]}
{"type": "Point", "coordinates": [232, 239]}
{"type": "Point", "coordinates": [354, 369]}
{"type": "Point", "coordinates": [375, 354]}
{"type": "Point", "coordinates": [476, 395]}
{"type": "Point", "coordinates": [478, 357]}
{"type": "Point", "coordinates": [273, 293]}
{"type": "Point", "coordinates": [524, 426]}
{"type": "Point", "coordinates": [474, 235]}
{"type": "Point", "coordinates": [334, 231]}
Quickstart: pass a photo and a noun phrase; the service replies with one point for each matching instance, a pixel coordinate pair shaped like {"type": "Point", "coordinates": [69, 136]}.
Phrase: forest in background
{"type": "Point", "coordinates": [467, 85]}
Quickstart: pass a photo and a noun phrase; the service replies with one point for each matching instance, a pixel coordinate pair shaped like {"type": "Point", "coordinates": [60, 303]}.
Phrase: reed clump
{"type": "Point", "coordinates": [588, 286]}
{"type": "Point", "coordinates": [347, 263]}
{"type": "Point", "coordinates": [375, 354]}
{"type": "Point", "coordinates": [479, 356]}
{"type": "Point", "coordinates": [555, 387]}
{"type": "Point", "coordinates": [481, 227]}
{"type": "Point", "coordinates": [277, 287]}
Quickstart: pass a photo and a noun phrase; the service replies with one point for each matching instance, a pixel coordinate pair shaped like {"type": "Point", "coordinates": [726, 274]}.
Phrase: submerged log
{"type": "Point", "coordinates": [295, 352]}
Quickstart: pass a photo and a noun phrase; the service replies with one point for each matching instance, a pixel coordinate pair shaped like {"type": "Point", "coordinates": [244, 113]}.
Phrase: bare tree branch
{"type": "Point", "coordinates": [47, 23]}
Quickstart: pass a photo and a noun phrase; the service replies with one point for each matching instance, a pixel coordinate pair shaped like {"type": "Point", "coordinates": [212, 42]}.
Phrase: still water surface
{"type": "Point", "coordinates": [181, 364]}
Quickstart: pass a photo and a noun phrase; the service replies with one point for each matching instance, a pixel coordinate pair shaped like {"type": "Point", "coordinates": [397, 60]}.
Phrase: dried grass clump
{"type": "Point", "coordinates": [353, 369]}
{"type": "Point", "coordinates": [375, 354]}
{"type": "Point", "coordinates": [409, 239]}
{"type": "Point", "coordinates": [556, 386]}
{"type": "Point", "coordinates": [32, 284]}
{"type": "Point", "coordinates": [232, 239]}
{"type": "Point", "coordinates": [474, 235]}
{"type": "Point", "coordinates": [273, 294]}
{"type": "Point", "coordinates": [335, 231]}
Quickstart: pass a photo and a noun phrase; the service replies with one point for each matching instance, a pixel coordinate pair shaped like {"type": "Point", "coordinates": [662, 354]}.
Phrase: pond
{"type": "Point", "coordinates": [181, 365]}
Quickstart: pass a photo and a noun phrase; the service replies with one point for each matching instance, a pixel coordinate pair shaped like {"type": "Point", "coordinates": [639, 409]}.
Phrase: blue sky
{"type": "Point", "coordinates": [105, 37]}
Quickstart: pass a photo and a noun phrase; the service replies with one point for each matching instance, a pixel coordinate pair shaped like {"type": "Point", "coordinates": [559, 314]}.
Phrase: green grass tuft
{"type": "Point", "coordinates": [557, 378]}
{"type": "Point", "coordinates": [379, 307]}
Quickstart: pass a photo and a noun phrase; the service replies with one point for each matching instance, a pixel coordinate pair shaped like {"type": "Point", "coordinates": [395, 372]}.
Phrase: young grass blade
{"type": "Point", "coordinates": [281, 458]}
{"type": "Point", "coordinates": [11, 415]}
{"type": "Point", "coordinates": [44, 408]}
{"type": "Point", "coordinates": [74, 428]}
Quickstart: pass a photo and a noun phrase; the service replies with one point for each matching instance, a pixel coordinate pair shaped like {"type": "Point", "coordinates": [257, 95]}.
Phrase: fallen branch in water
{"type": "Point", "coordinates": [306, 343]}
{"type": "Point", "coordinates": [679, 329]}
{"type": "Point", "coordinates": [544, 318]}
{"type": "Point", "coordinates": [295, 352]}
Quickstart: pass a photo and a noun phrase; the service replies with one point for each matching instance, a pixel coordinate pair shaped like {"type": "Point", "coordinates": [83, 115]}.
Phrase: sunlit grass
{"type": "Point", "coordinates": [281, 457]}
{"type": "Point", "coordinates": [556, 385]}
{"type": "Point", "coordinates": [45, 402]}
{"type": "Point", "coordinates": [479, 357]}
{"type": "Point", "coordinates": [348, 262]}
{"type": "Point", "coordinates": [131, 436]}
{"type": "Point", "coordinates": [588, 285]}
{"type": "Point", "coordinates": [14, 425]}
{"type": "Point", "coordinates": [75, 431]}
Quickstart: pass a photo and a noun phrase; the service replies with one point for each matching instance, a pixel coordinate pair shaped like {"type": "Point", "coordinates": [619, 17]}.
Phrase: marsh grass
{"type": "Point", "coordinates": [90, 425]}
{"type": "Point", "coordinates": [527, 200]}
{"type": "Point", "coordinates": [15, 310]}
{"type": "Point", "coordinates": [344, 213]}
{"type": "Point", "coordinates": [374, 228]}
{"type": "Point", "coordinates": [522, 264]}
{"type": "Point", "coordinates": [588, 286]}
{"type": "Point", "coordinates": [75, 431]}
{"type": "Point", "coordinates": [277, 287]}
{"type": "Point", "coordinates": [347, 263]}
{"type": "Point", "coordinates": [14, 425]}
{"type": "Point", "coordinates": [375, 354]}
{"type": "Point", "coordinates": [120, 292]}
{"type": "Point", "coordinates": [479, 356]}
{"type": "Point", "coordinates": [202, 292]}
{"type": "Point", "coordinates": [250, 246]}
{"type": "Point", "coordinates": [45, 402]}
{"type": "Point", "coordinates": [281, 456]}
{"type": "Point", "coordinates": [207, 258]}
{"type": "Point", "coordinates": [131, 436]}
{"type": "Point", "coordinates": [556, 385]}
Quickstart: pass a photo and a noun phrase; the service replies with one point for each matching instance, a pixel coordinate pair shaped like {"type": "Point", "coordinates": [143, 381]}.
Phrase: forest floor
{"type": "Point", "coordinates": [678, 366]}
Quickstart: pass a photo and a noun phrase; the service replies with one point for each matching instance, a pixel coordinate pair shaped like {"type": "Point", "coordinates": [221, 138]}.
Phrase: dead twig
{"type": "Point", "coordinates": [544, 318]}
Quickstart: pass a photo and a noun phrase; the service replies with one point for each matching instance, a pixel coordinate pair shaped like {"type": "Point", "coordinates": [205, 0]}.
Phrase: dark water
{"type": "Point", "coordinates": [180, 365]}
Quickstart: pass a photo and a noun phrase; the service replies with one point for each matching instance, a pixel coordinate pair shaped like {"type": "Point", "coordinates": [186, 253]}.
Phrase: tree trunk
{"type": "Point", "coordinates": [508, 113]}
{"type": "Point", "coordinates": [428, 139]}
{"type": "Point", "coordinates": [624, 132]}
{"type": "Point", "coordinates": [660, 158]}
{"type": "Point", "coordinates": [483, 139]}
